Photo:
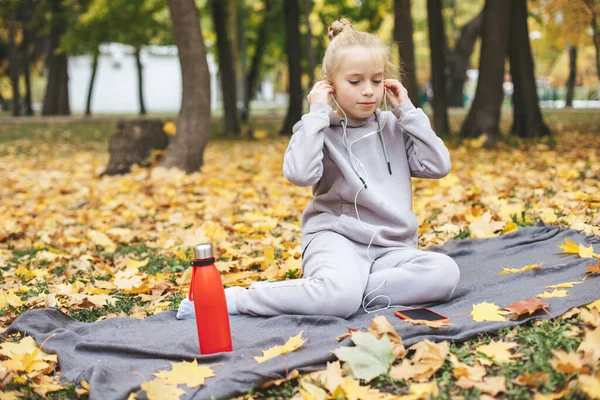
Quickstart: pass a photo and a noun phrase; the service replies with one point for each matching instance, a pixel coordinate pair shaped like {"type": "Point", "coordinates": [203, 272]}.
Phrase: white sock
{"type": "Point", "coordinates": [230, 296]}
{"type": "Point", "coordinates": [186, 307]}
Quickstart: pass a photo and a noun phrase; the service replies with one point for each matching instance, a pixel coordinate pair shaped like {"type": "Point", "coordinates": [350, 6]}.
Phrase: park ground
{"type": "Point", "coordinates": [119, 246]}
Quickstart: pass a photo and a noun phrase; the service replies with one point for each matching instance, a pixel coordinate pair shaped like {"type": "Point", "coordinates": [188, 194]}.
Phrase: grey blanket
{"type": "Point", "coordinates": [107, 353]}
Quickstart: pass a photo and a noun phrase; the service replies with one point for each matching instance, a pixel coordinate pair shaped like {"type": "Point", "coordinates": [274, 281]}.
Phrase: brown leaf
{"type": "Point", "coordinates": [380, 326]}
{"type": "Point", "coordinates": [569, 363]}
{"type": "Point", "coordinates": [529, 305]}
{"type": "Point", "coordinates": [536, 379]}
{"type": "Point", "coordinates": [431, 324]}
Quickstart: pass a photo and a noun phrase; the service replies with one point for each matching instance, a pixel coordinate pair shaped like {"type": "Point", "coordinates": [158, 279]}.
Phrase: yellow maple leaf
{"type": "Point", "coordinates": [594, 304]}
{"type": "Point", "coordinates": [188, 373]}
{"type": "Point", "coordinates": [424, 390]}
{"type": "Point", "coordinates": [9, 298]}
{"type": "Point", "coordinates": [291, 345]}
{"type": "Point", "coordinates": [515, 270]}
{"type": "Point", "coordinates": [100, 239]}
{"type": "Point", "coordinates": [486, 312]}
{"type": "Point", "coordinates": [269, 254]}
{"type": "Point", "coordinates": [571, 247]}
{"type": "Point", "coordinates": [499, 351]}
{"type": "Point", "coordinates": [554, 293]}
{"type": "Point", "coordinates": [157, 389]}
{"type": "Point", "coordinates": [569, 363]}
{"type": "Point", "coordinates": [566, 285]}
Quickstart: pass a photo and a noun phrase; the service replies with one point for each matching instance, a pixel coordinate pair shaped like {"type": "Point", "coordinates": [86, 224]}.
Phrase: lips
{"type": "Point", "coordinates": [366, 105]}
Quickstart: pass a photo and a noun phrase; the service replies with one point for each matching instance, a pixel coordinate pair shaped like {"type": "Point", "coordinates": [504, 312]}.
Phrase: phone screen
{"type": "Point", "coordinates": [422, 313]}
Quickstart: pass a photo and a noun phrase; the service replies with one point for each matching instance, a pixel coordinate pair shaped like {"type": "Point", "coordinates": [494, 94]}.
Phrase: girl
{"type": "Point", "coordinates": [359, 232]}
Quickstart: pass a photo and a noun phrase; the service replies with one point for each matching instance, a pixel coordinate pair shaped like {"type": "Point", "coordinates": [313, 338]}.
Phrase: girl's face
{"type": "Point", "coordinates": [358, 82]}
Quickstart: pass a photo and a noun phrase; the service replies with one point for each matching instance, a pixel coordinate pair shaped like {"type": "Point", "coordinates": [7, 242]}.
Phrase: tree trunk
{"type": "Point", "coordinates": [133, 142]}
{"type": "Point", "coordinates": [27, 75]}
{"type": "Point", "coordinates": [243, 50]}
{"type": "Point", "coordinates": [528, 121]}
{"type": "Point", "coordinates": [292, 38]}
{"type": "Point", "coordinates": [593, 7]}
{"type": "Point", "coordinates": [226, 68]}
{"type": "Point", "coordinates": [140, 76]}
{"type": "Point", "coordinates": [261, 43]}
{"type": "Point", "coordinates": [458, 60]}
{"type": "Point", "coordinates": [572, 75]}
{"type": "Point", "coordinates": [56, 99]}
{"type": "Point", "coordinates": [437, 43]}
{"type": "Point", "coordinates": [88, 104]}
{"type": "Point", "coordinates": [14, 63]}
{"type": "Point", "coordinates": [310, 52]}
{"type": "Point", "coordinates": [3, 103]}
{"type": "Point", "coordinates": [484, 114]}
{"type": "Point", "coordinates": [403, 35]}
{"type": "Point", "coordinates": [186, 148]}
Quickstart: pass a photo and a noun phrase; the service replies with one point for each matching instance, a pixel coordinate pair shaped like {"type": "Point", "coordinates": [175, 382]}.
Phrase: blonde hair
{"type": "Point", "coordinates": [342, 35]}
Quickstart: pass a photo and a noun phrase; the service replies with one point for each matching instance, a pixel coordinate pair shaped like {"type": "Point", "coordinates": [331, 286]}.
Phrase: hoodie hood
{"type": "Point", "coordinates": [336, 120]}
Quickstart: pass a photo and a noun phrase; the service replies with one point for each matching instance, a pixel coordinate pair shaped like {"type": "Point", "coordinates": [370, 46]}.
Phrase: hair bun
{"type": "Point", "coordinates": [338, 27]}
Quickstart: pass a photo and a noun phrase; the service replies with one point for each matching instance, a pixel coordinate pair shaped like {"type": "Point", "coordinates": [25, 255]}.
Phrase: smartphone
{"type": "Point", "coordinates": [421, 313]}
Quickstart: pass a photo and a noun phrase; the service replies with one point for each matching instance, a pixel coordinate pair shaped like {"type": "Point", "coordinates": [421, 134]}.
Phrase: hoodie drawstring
{"type": "Point", "coordinates": [385, 153]}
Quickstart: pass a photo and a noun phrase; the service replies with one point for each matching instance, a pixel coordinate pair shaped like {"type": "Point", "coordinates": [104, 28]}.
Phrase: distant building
{"type": "Point", "coordinates": [116, 85]}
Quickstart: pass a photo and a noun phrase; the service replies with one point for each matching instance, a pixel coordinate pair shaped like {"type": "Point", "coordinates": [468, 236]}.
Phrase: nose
{"type": "Point", "coordinates": [367, 90]}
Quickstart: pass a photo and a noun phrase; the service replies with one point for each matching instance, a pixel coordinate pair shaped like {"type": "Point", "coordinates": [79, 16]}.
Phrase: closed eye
{"type": "Point", "coordinates": [354, 82]}
{"type": "Point", "coordinates": [377, 82]}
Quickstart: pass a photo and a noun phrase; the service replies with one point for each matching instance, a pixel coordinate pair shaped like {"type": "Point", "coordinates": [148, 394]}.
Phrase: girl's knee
{"type": "Point", "coordinates": [448, 275]}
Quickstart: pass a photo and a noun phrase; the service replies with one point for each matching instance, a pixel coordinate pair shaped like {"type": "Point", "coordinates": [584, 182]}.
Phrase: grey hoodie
{"type": "Point", "coordinates": [317, 156]}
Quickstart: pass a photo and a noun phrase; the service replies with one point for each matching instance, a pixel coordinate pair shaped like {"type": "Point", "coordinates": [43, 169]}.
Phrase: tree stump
{"type": "Point", "coordinates": [133, 142]}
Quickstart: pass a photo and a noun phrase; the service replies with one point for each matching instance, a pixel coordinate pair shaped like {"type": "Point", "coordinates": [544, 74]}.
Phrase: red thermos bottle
{"type": "Point", "coordinates": [208, 295]}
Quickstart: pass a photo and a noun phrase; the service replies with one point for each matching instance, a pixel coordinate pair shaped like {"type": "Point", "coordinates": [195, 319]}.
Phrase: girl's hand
{"type": "Point", "coordinates": [395, 92]}
{"type": "Point", "coordinates": [320, 93]}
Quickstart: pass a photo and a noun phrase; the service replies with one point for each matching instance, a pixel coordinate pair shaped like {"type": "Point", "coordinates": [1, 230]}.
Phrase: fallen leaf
{"type": "Point", "coordinates": [571, 247]}
{"type": "Point", "coordinates": [595, 304]}
{"type": "Point", "coordinates": [369, 358]}
{"type": "Point", "coordinates": [566, 285]}
{"type": "Point", "coordinates": [499, 351]}
{"type": "Point", "coordinates": [590, 385]}
{"type": "Point", "coordinates": [291, 345]}
{"type": "Point", "coordinates": [431, 324]}
{"type": "Point", "coordinates": [590, 317]}
{"type": "Point", "coordinates": [590, 346]}
{"type": "Point", "coordinates": [472, 373]}
{"type": "Point", "coordinates": [486, 312]}
{"type": "Point", "coordinates": [429, 357]}
{"type": "Point", "coordinates": [554, 293]}
{"type": "Point", "coordinates": [568, 363]}
{"type": "Point", "coordinates": [157, 389]}
{"type": "Point", "coordinates": [491, 384]}
{"type": "Point", "coordinates": [551, 396]}
{"type": "Point", "coordinates": [292, 375]}
{"type": "Point", "coordinates": [529, 306]}
{"type": "Point", "coordinates": [515, 271]}
{"type": "Point", "coordinates": [381, 326]}
{"type": "Point", "coordinates": [424, 390]}
{"type": "Point", "coordinates": [404, 371]}
{"type": "Point", "coordinates": [594, 269]}
{"type": "Point", "coordinates": [189, 373]}
{"type": "Point", "coordinates": [536, 379]}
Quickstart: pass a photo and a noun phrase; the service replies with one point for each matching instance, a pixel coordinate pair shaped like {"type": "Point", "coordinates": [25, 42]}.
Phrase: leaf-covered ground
{"type": "Point", "coordinates": [120, 246]}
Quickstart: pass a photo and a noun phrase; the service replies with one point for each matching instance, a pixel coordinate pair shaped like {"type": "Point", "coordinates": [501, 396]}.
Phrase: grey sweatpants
{"type": "Point", "coordinates": [338, 274]}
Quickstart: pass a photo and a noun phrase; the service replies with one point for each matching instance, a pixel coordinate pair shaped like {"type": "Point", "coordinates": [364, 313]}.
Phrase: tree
{"type": "Point", "coordinates": [572, 75]}
{"type": "Point", "coordinates": [257, 58]}
{"type": "Point", "coordinates": [594, 8]}
{"type": "Point", "coordinates": [484, 114]}
{"type": "Point", "coordinates": [437, 40]}
{"type": "Point", "coordinates": [527, 116]}
{"type": "Point", "coordinates": [186, 148]}
{"type": "Point", "coordinates": [403, 35]}
{"type": "Point", "coordinates": [56, 99]}
{"type": "Point", "coordinates": [219, 9]}
{"type": "Point", "coordinates": [457, 60]}
{"type": "Point", "coordinates": [292, 37]}
{"type": "Point", "coordinates": [14, 63]}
